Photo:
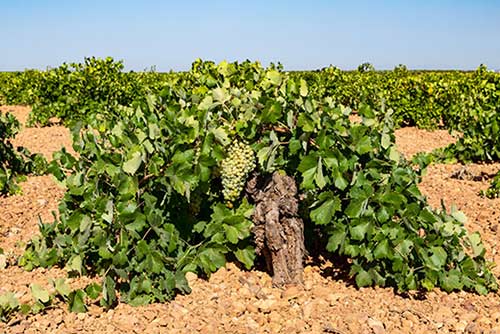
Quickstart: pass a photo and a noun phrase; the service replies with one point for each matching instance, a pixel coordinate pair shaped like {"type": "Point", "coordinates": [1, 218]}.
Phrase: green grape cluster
{"type": "Point", "coordinates": [239, 162]}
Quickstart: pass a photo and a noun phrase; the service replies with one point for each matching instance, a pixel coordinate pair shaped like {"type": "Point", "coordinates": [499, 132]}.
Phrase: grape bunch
{"type": "Point", "coordinates": [239, 162]}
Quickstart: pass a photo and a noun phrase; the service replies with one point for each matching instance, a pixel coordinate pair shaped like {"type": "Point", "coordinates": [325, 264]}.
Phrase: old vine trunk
{"type": "Point", "coordinates": [278, 229]}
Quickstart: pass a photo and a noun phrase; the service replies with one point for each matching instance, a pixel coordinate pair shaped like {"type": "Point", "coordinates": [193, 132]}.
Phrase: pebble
{"type": "Point", "coordinates": [191, 278]}
{"type": "Point", "coordinates": [161, 321]}
{"type": "Point", "coordinates": [471, 327]}
{"type": "Point", "coordinates": [411, 317]}
{"type": "Point", "coordinates": [460, 326]}
{"type": "Point", "coordinates": [334, 298]}
{"type": "Point", "coordinates": [3, 261]}
{"type": "Point", "coordinates": [469, 306]}
{"type": "Point", "coordinates": [495, 316]}
{"type": "Point", "coordinates": [377, 326]}
{"type": "Point", "coordinates": [407, 324]}
{"type": "Point", "coordinates": [251, 324]}
{"type": "Point", "coordinates": [321, 292]}
{"type": "Point", "coordinates": [484, 321]}
{"type": "Point", "coordinates": [468, 317]}
{"type": "Point", "coordinates": [291, 292]}
{"type": "Point", "coordinates": [238, 307]}
{"type": "Point", "coordinates": [266, 305]}
{"type": "Point", "coordinates": [42, 202]}
{"type": "Point", "coordinates": [15, 230]}
{"type": "Point", "coordinates": [307, 310]}
{"type": "Point", "coordinates": [251, 308]}
{"type": "Point", "coordinates": [20, 329]}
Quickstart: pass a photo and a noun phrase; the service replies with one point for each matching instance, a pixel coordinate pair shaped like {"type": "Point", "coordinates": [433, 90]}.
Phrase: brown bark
{"type": "Point", "coordinates": [278, 229]}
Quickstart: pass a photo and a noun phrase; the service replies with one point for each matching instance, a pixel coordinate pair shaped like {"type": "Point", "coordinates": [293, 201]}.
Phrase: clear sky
{"type": "Point", "coordinates": [424, 34]}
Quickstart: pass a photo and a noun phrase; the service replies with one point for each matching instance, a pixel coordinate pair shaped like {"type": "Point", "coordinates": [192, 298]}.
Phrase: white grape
{"type": "Point", "coordinates": [236, 167]}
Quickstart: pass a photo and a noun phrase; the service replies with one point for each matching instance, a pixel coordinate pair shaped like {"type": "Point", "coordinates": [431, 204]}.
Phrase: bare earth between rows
{"type": "Point", "coordinates": [237, 301]}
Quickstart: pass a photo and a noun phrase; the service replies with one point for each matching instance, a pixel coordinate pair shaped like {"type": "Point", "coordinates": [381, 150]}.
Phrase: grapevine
{"type": "Point", "coordinates": [15, 163]}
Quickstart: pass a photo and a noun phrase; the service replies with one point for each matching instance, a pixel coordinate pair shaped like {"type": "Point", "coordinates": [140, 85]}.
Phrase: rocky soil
{"type": "Point", "coordinates": [238, 301]}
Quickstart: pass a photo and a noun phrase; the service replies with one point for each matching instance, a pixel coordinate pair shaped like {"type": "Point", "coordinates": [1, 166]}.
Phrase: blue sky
{"type": "Point", "coordinates": [423, 34]}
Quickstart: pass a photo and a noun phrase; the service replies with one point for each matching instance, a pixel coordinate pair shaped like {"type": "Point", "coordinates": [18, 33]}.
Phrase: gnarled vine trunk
{"type": "Point", "coordinates": [278, 229]}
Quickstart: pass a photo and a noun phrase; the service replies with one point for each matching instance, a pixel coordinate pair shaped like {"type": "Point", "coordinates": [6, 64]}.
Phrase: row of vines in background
{"type": "Point", "coordinates": [76, 91]}
{"type": "Point", "coordinates": [145, 200]}
{"type": "Point", "coordinates": [451, 99]}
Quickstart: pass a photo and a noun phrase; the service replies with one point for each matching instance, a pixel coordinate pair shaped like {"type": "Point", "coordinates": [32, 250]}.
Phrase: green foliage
{"type": "Point", "coordinates": [9, 305]}
{"type": "Point", "coordinates": [367, 200]}
{"type": "Point", "coordinates": [15, 163]}
{"type": "Point", "coordinates": [42, 299]}
{"type": "Point", "coordinates": [479, 142]}
{"type": "Point", "coordinates": [494, 189]}
{"type": "Point", "coordinates": [19, 88]}
{"type": "Point", "coordinates": [145, 204]}
{"type": "Point", "coordinates": [451, 99]}
{"type": "Point", "coordinates": [477, 117]}
{"type": "Point", "coordinates": [78, 90]}
{"type": "Point", "coordinates": [426, 99]}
